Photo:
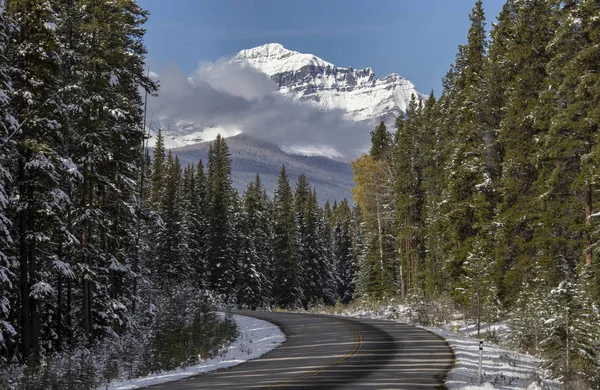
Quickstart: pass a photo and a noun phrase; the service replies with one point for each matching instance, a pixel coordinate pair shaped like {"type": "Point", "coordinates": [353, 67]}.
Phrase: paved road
{"type": "Point", "coordinates": [327, 352]}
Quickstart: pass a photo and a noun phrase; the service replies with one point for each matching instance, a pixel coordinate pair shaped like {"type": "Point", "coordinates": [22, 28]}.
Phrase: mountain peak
{"type": "Point", "coordinates": [273, 58]}
{"type": "Point", "coordinates": [269, 50]}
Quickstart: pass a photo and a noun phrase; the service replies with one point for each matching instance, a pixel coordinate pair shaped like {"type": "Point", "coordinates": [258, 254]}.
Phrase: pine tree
{"type": "Point", "coordinates": [381, 143]}
{"type": "Point", "coordinates": [308, 251]}
{"type": "Point", "coordinates": [39, 167]}
{"type": "Point", "coordinates": [287, 278]}
{"type": "Point", "coordinates": [531, 30]}
{"type": "Point", "coordinates": [326, 260]}
{"type": "Point", "coordinates": [343, 252]}
{"type": "Point", "coordinates": [470, 186]}
{"type": "Point", "coordinates": [220, 235]}
{"type": "Point", "coordinates": [7, 126]}
{"type": "Point", "coordinates": [170, 255]}
{"type": "Point", "coordinates": [571, 333]}
{"type": "Point", "coordinates": [374, 195]}
{"type": "Point", "coordinates": [254, 284]}
{"type": "Point", "coordinates": [199, 211]}
{"type": "Point", "coordinates": [569, 176]}
{"type": "Point", "coordinates": [408, 172]}
{"type": "Point", "coordinates": [158, 170]}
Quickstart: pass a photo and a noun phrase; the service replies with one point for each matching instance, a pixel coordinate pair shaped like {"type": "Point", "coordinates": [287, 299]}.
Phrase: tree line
{"type": "Point", "coordinates": [487, 194]}
{"type": "Point", "coordinates": [251, 250]}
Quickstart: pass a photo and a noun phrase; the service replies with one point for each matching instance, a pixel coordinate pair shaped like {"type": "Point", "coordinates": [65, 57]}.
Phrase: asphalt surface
{"type": "Point", "coordinates": [331, 352]}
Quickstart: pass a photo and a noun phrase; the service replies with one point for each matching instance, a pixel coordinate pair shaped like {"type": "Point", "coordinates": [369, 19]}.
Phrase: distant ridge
{"type": "Point", "coordinates": [331, 178]}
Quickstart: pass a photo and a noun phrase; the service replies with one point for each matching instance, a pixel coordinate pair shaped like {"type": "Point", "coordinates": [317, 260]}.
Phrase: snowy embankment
{"type": "Point", "coordinates": [501, 368]}
{"type": "Point", "coordinates": [256, 337]}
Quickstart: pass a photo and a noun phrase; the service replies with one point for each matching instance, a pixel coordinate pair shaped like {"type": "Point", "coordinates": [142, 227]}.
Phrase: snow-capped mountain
{"type": "Point", "coordinates": [358, 92]}
{"type": "Point", "coordinates": [301, 102]}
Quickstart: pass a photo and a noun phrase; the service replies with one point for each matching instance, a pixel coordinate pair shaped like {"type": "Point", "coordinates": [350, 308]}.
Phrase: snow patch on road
{"type": "Point", "coordinates": [256, 338]}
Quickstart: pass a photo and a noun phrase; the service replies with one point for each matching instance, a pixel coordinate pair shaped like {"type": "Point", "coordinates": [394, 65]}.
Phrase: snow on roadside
{"type": "Point", "coordinates": [256, 338]}
{"type": "Point", "coordinates": [501, 369]}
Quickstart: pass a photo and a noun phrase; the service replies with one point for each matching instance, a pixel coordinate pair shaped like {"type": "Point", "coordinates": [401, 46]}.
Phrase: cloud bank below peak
{"type": "Point", "coordinates": [231, 95]}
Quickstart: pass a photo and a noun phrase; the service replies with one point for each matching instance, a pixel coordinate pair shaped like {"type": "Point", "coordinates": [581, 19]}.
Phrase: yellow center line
{"type": "Point", "coordinates": [358, 342]}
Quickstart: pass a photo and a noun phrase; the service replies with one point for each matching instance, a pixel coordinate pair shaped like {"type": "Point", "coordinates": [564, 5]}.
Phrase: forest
{"type": "Point", "coordinates": [487, 195]}
{"type": "Point", "coordinates": [482, 199]}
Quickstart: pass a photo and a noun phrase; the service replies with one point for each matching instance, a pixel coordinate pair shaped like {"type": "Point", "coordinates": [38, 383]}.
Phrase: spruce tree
{"type": "Point", "coordinates": [343, 252]}
{"type": "Point", "coordinates": [287, 278]}
{"type": "Point", "coordinates": [254, 284]}
{"type": "Point", "coordinates": [158, 170]}
{"type": "Point", "coordinates": [170, 255]}
{"type": "Point", "coordinates": [7, 124]}
{"type": "Point", "coordinates": [532, 28]}
{"type": "Point", "coordinates": [199, 211]}
{"type": "Point", "coordinates": [220, 234]}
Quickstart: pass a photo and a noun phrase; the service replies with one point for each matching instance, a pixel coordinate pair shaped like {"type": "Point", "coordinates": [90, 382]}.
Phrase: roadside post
{"type": "Point", "coordinates": [480, 359]}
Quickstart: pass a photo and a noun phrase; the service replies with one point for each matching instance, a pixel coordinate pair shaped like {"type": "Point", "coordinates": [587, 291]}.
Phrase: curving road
{"type": "Point", "coordinates": [327, 352]}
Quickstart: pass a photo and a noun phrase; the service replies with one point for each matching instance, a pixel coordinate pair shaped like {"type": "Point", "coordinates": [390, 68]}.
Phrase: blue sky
{"type": "Point", "coordinates": [417, 39]}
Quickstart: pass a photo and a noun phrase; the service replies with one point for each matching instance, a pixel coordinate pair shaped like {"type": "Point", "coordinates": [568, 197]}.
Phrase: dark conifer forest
{"type": "Point", "coordinates": [484, 198]}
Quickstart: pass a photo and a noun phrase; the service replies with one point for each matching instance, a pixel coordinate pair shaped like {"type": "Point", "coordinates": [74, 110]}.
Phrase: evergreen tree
{"type": "Point", "coordinates": [287, 278]}
{"type": "Point", "coordinates": [343, 252]}
{"type": "Point", "coordinates": [381, 143]}
{"type": "Point", "coordinates": [532, 28]}
{"type": "Point", "coordinates": [568, 175]}
{"type": "Point", "coordinates": [220, 235]}
{"type": "Point", "coordinates": [158, 170]}
{"type": "Point", "coordinates": [170, 250]}
{"type": "Point", "coordinates": [39, 168]}
{"type": "Point", "coordinates": [199, 211]}
{"type": "Point", "coordinates": [307, 255]}
{"type": "Point", "coordinates": [374, 195]}
{"type": "Point", "coordinates": [572, 333]}
{"type": "Point", "coordinates": [254, 284]}
{"type": "Point", "coordinates": [7, 126]}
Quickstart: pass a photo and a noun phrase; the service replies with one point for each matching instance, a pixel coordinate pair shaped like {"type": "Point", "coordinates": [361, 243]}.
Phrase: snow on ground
{"type": "Point", "coordinates": [256, 338]}
{"type": "Point", "coordinates": [501, 368]}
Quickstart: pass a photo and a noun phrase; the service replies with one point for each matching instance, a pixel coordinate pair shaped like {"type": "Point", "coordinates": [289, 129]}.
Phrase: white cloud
{"type": "Point", "coordinates": [225, 95]}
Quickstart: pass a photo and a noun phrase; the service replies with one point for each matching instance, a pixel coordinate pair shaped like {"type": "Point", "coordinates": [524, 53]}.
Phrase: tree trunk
{"type": "Point", "coordinates": [588, 214]}
{"type": "Point", "coordinates": [24, 271]}
{"type": "Point", "coordinates": [380, 234]}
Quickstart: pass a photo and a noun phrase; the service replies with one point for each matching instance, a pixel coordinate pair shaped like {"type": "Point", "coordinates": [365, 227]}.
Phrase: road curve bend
{"type": "Point", "coordinates": [332, 352]}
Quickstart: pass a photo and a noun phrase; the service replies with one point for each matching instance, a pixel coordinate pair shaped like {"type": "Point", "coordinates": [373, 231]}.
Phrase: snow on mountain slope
{"type": "Point", "coordinates": [299, 101]}
{"type": "Point", "coordinates": [359, 93]}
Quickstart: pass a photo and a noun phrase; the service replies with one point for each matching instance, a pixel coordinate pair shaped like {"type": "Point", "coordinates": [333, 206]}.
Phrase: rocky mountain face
{"type": "Point", "coordinates": [357, 92]}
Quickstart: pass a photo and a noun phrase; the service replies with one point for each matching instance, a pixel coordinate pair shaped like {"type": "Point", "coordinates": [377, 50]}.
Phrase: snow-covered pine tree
{"type": "Point", "coordinates": [158, 171]}
{"type": "Point", "coordinates": [39, 201]}
{"type": "Point", "coordinates": [170, 266]}
{"type": "Point", "coordinates": [572, 333]}
{"type": "Point", "coordinates": [307, 256]}
{"type": "Point", "coordinates": [7, 125]}
{"type": "Point", "coordinates": [220, 235]}
{"type": "Point", "coordinates": [326, 260]}
{"type": "Point", "coordinates": [343, 252]}
{"type": "Point", "coordinates": [198, 236]}
{"type": "Point", "coordinates": [104, 66]}
{"type": "Point", "coordinates": [254, 283]}
{"type": "Point", "coordinates": [287, 288]}
{"type": "Point", "coordinates": [528, 314]}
